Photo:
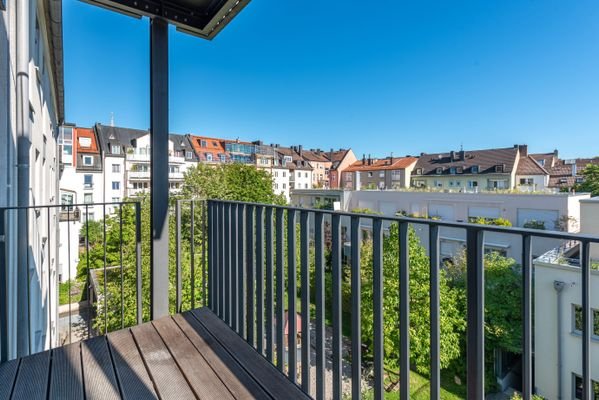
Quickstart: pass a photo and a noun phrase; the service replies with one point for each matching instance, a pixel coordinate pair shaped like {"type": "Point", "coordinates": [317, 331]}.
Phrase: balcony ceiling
{"type": "Point", "coordinates": [203, 18]}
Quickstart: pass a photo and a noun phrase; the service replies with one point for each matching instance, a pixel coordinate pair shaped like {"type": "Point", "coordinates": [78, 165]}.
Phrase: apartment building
{"type": "Point", "coordinates": [340, 160]}
{"type": "Point", "coordinates": [240, 152]}
{"type": "Point", "coordinates": [300, 170]}
{"type": "Point", "coordinates": [387, 173]}
{"type": "Point", "coordinates": [564, 174]}
{"type": "Point", "coordinates": [321, 166]}
{"type": "Point", "coordinates": [491, 169]}
{"type": "Point", "coordinates": [32, 108]}
{"type": "Point", "coordinates": [558, 314]}
{"type": "Point", "coordinates": [209, 150]}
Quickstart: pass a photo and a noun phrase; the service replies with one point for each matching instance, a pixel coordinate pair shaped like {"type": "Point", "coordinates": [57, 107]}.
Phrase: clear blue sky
{"type": "Point", "coordinates": [408, 77]}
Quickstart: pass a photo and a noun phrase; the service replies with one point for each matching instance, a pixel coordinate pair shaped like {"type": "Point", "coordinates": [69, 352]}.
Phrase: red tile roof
{"type": "Point", "coordinates": [213, 146]}
{"type": "Point", "coordinates": [382, 164]}
{"type": "Point", "coordinates": [86, 133]}
{"type": "Point", "coordinates": [529, 166]}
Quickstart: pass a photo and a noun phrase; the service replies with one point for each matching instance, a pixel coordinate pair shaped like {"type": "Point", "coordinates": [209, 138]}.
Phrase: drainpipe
{"type": "Point", "coordinates": [23, 129]}
{"type": "Point", "coordinates": [559, 287]}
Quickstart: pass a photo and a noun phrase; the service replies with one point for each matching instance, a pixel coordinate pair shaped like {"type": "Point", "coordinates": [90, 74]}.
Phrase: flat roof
{"type": "Point", "coordinates": [203, 18]}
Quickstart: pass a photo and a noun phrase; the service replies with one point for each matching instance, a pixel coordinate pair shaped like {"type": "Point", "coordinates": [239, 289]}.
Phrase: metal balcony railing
{"type": "Point", "coordinates": [253, 268]}
{"type": "Point", "coordinates": [251, 264]}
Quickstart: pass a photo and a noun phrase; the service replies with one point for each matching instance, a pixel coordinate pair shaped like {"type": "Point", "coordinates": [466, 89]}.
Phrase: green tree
{"type": "Point", "coordinates": [451, 318]}
{"type": "Point", "coordinates": [590, 181]}
{"type": "Point", "coordinates": [237, 182]}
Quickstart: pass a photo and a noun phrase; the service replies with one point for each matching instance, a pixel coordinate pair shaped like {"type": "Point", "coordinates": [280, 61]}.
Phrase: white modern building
{"type": "Point", "coordinates": [560, 211]}
{"type": "Point", "coordinates": [31, 109]}
{"type": "Point", "coordinates": [558, 315]}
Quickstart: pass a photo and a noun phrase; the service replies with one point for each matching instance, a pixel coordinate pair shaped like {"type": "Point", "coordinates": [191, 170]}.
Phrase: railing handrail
{"type": "Point", "coordinates": [434, 222]}
{"type": "Point", "coordinates": [111, 203]}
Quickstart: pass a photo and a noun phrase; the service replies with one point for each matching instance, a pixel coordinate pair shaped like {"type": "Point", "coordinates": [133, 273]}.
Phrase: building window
{"type": "Point", "coordinates": [577, 387]}
{"type": "Point", "coordinates": [276, 174]}
{"type": "Point", "coordinates": [474, 169]}
{"type": "Point", "coordinates": [202, 143]}
{"type": "Point", "coordinates": [88, 181]}
{"type": "Point", "coordinates": [370, 174]}
{"type": "Point", "coordinates": [452, 170]}
{"type": "Point", "coordinates": [116, 185]}
{"type": "Point", "coordinates": [526, 181]}
{"type": "Point", "coordinates": [284, 186]}
{"type": "Point", "coordinates": [439, 170]}
{"type": "Point", "coordinates": [116, 199]}
{"type": "Point", "coordinates": [577, 320]}
{"type": "Point", "coordinates": [284, 174]}
{"type": "Point", "coordinates": [306, 186]}
{"type": "Point", "coordinates": [88, 198]}
{"type": "Point", "coordinates": [116, 168]}
{"type": "Point", "coordinates": [173, 169]}
{"type": "Point", "coordinates": [88, 161]}
{"type": "Point", "coordinates": [115, 149]}
{"type": "Point", "coordinates": [222, 157]}
{"type": "Point", "coordinates": [66, 199]}
{"type": "Point", "coordinates": [45, 145]}
{"type": "Point", "coordinates": [208, 157]}
{"type": "Point", "coordinates": [382, 174]}
{"type": "Point", "coordinates": [189, 154]}
{"type": "Point", "coordinates": [306, 174]}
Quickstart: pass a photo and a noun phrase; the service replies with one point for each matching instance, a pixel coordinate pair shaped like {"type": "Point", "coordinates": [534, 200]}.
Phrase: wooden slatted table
{"type": "Point", "coordinates": [193, 355]}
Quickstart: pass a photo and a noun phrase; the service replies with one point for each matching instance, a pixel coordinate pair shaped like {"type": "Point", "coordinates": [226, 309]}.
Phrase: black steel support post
{"type": "Point", "coordinates": [159, 166]}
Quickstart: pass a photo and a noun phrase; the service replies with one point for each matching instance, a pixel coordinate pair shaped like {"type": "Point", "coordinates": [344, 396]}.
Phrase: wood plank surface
{"type": "Point", "coordinates": [98, 371]}
{"type": "Point", "coordinates": [32, 379]}
{"type": "Point", "coordinates": [270, 378]}
{"type": "Point", "coordinates": [168, 379]}
{"type": "Point", "coordinates": [129, 367]}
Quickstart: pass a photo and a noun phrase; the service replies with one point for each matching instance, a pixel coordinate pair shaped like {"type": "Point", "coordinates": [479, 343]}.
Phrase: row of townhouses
{"type": "Point", "coordinates": [511, 168]}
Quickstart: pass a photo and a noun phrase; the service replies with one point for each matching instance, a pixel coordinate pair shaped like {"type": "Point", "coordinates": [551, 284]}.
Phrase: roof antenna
{"type": "Point", "coordinates": [112, 119]}
{"type": "Point", "coordinates": [462, 146]}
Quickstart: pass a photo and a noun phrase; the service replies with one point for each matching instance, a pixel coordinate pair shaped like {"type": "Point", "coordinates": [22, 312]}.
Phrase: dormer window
{"type": "Point", "coordinates": [459, 170]}
{"type": "Point", "coordinates": [452, 170]}
{"type": "Point", "coordinates": [474, 169]}
{"type": "Point", "coordinates": [418, 171]}
{"type": "Point", "coordinates": [202, 143]}
{"type": "Point", "coordinates": [439, 170]}
{"type": "Point", "coordinates": [499, 168]}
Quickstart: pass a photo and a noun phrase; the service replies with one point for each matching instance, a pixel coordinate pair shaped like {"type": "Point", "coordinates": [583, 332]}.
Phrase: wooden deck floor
{"type": "Point", "coordinates": [185, 356]}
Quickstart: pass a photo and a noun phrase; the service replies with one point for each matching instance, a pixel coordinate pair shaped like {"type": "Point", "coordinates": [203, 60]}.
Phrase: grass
{"type": "Point", "coordinates": [419, 390]}
{"type": "Point", "coordinates": [76, 288]}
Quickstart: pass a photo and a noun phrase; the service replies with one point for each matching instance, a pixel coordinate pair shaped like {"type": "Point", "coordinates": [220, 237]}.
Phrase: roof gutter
{"type": "Point", "coordinates": [54, 27]}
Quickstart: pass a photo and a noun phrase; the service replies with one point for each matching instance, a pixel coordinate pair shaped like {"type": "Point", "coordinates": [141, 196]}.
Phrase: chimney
{"type": "Point", "coordinates": [462, 155]}
{"type": "Point", "coordinates": [422, 154]}
{"type": "Point", "coordinates": [299, 149]}
{"type": "Point", "coordinates": [523, 150]}
{"type": "Point", "coordinates": [331, 154]}
{"type": "Point", "coordinates": [369, 160]}
{"type": "Point", "coordinates": [555, 153]}
{"type": "Point", "coordinates": [363, 159]}
{"type": "Point", "coordinates": [452, 155]}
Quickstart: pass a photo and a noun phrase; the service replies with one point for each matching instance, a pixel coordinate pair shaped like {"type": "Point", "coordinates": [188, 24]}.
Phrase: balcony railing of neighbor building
{"type": "Point", "coordinates": [251, 265]}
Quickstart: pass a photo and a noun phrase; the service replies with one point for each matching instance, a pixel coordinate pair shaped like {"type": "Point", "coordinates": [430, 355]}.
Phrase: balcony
{"type": "Point", "coordinates": [139, 175]}
{"type": "Point", "coordinates": [238, 271]}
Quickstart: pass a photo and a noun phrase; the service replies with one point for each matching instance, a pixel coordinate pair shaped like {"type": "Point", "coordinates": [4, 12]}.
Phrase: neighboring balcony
{"type": "Point", "coordinates": [139, 175]}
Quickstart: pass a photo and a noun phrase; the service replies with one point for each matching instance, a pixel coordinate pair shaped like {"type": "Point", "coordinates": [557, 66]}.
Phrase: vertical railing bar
{"type": "Point", "coordinates": [220, 259]}
{"type": "Point", "coordinates": [435, 349]}
{"type": "Point", "coordinates": [356, 327]}
{"type": "Point", "coordinates": [138, 293]}
{"type": "Point", "coordinates": [291, 296]}
{"type": "Point", "coordinates": [48, 241]}
{"type": "Point", "coordinates": [121, 262]}
{"type": "Point", "coordinates": [234, 268]}
{"type": "Point", "coordinates": [475, 339]}
{"type": "Point", "coordinates": [223, 266]}
{"type": "Point", "coordinates": [241, 270]}
{"type": "Point", "coordinates": [269, 284]}
{"type": "Point", "coordinates": [29, 339]}
{"type": "Point", "coordinates": [377, 264]}
{"type": "Point", "coordinates": [260, 279]}
{"type": "Point", "coordinates": [251, 275]}
{"type": "Point", "coordinates": [227, 265]}
{"type": "Point", "coordinates": [88, 283]}
{"type": "Point", "coordinates": [404, 311]}
{"type": "Point", "coordinates": [527, 317]}
{"type": "Point", "coordinates": [210, 237]}
{"type": "Point", "coordinates": [204, 238]}
{"type": "Point", "coordinates": [105, 276]}
{"type": "Point", "coordinates": [69, 266]}
{"type": "Point", "coordinates": [192, 252]}
{"type": "Point", "coordinates": [320, 304]}
{"type": "Point", "coordinates": [337, 311]}
{"type": "Point", "coordinates": [178, 255]}
{"type": "Point", "coordinates": [587, 320]}
{"type": "Point", "coordinates": [3, 289]}
{"type": "Point", "coordinates": [280, 316]}
{"type": "Point", "coordinates": [305, 299]}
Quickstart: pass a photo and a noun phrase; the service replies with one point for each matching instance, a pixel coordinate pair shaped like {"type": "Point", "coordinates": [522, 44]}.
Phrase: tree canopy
{"type": "Point", "coordinates": [590, 181]}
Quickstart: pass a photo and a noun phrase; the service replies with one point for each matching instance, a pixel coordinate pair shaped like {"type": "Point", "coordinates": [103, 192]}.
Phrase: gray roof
{"type": "Point", "coordinates": [485, 160]}
{"type": "Point", "coordinates": [114, 135]}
